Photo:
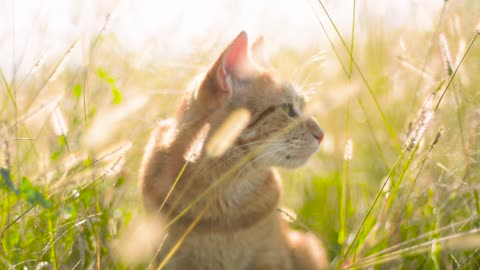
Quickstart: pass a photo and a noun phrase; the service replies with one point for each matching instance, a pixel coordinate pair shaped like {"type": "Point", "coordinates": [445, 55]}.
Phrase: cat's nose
{"type": "Point", "coordinates": [314, 129]}
{"type": "Point", "coordinates": [318, 135]}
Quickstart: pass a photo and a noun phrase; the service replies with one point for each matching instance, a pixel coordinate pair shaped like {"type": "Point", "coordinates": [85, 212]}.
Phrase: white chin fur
{"type": "Point", "coordinates": [295, 162]}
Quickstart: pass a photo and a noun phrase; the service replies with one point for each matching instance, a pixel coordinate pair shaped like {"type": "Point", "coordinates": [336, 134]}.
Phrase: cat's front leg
{"type": "Point", "coordinates": [273, 259]}
{"type": "Point", "coordinates": [306, 251]}
{"type": "Point", "coordinates": [274, 253]}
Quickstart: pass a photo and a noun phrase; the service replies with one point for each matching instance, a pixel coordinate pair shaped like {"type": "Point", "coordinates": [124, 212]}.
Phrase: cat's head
{"type": "Point", "coordinates": [278, 124]}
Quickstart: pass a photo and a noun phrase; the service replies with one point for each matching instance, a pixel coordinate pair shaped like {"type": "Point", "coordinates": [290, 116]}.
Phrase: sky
{"type": "Point", "coordinates": [33, 31]}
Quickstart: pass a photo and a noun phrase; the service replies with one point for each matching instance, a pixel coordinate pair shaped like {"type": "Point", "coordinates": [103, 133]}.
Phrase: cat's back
{"type": "Point", "coordinates": [154, 164]}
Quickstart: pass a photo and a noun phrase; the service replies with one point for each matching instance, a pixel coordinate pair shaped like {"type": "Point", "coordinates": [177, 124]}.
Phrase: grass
{"type": "Point", "coordinates": [396, 184]}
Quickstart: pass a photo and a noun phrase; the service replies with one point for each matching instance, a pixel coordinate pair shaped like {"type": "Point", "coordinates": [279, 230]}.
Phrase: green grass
{"type": "Point", "coordinates": [407, 198]}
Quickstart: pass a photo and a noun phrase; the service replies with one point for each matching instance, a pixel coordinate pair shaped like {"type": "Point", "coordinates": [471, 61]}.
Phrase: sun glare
{"type": "Point", "coordinates": [31, 30]}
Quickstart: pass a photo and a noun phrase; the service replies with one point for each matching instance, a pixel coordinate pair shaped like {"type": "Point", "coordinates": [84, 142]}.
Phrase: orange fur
{"type": "Point", "coordinates": [241, 228]}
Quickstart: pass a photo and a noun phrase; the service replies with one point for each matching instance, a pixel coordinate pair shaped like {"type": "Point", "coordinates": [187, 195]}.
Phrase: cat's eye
{"type": "Point", "coordinates": [288, 109]}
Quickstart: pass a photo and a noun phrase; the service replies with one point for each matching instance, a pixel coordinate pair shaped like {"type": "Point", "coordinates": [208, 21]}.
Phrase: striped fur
{"type": "Point", "coordinates": [238, 225]}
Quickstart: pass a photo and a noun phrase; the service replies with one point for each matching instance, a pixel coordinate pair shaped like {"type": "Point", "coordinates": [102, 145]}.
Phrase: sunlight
{"type": "Point", "coordinates": [32, 30]}
{"type": "Point", "coordinates": [102, 104]}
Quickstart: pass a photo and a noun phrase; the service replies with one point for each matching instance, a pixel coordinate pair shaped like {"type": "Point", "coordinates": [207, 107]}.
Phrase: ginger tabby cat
{"type": "Point", "coordinates": [236, 225]}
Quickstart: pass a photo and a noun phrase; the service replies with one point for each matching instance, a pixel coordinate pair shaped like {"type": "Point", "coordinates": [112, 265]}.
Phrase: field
{"type": "Point", "coordinates": [395, 185]}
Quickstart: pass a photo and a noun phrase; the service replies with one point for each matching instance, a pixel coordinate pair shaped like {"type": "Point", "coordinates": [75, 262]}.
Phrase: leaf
{"type": "Point", "coordinates": [120, 182]}
{"type": "Point", "coordinates": [61, 140]}
{"type": "Point", "coordinates": [32, 195]}
{"type": "Point", "coordinates": [55, 156]}
{"type": "Point", "coordinates": [117, 96]}
{"type": "Point", "coordinates": [77, 90]}
{"type": "Point", "coordinates": [92, 111]}
{"type": "Point", "coordinates": [87, 162]}
{"type": "Point", "coordinates": [7, 180]}
{"type": "Point", "coordinates": [101, 73]}
{"type": "Point", "coordinates": [105, 76]}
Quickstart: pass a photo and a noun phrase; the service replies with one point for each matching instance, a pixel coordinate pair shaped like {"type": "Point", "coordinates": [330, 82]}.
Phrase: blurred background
{"type": "Point", "coordinates": [32, 30]}
{"type": "Point", "coordinates": [394, 85]}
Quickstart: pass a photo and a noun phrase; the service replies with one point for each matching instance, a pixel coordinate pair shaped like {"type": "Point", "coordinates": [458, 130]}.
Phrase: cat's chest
{"type": "Point", "coordinates": [241, 191]}
{"type": "Point", "coordinates": [224, 251]}
{"type": "Point", "coordinates": [250, 189]}
{"type": "Point", "coordinates": [232, 250]}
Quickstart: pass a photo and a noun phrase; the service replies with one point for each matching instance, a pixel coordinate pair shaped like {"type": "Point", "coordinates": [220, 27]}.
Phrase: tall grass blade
{"type": "Point", "coordinates": [459, 241]}
{"type": "Point", "coordinates": [364, 79]}
{"type": "Point", "coordinates": [344, 69]}
{"type": "Point", "coordinates": [352, 40]}
{"type": "Point", "coordinates": [182, 238]}
{"type": "Point", "coordinates": [354, 245]}
{"type": "Point", "coordinates": [431, 44]}
{"type": "Point", "coordinates": [344, 196]}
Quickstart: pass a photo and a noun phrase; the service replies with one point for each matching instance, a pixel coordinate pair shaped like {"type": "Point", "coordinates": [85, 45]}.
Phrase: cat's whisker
{"type": "Point", "coordinates": [313, 60]}
{"type": "Point", "coordinates": [283, 158]}
{"type": "Point", "coordinates": [264, 155]}
{"type": "Point", "coordinates": [272, 139]}
{"type": "Point", "coordinates": [310, 91]}
{"type": "Point", "coordinates": [233, 152]}
{"type": "Point", "coordinates": [257, 143]}
{"type": "Point", "coordinates": [267, 154]}
{"type": "Point", "coordinates": [214, 164]}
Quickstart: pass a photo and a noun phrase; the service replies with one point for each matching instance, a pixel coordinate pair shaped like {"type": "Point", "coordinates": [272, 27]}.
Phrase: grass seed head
{"type": "Point", "coordinates": [194, 151]}
{"type": "Point", "coordinates": [59, 124]}
{"type": "Point", "coordinates": [228, 132]}
{"type": "Point", "coordinates": [419, 129]}
{"type": "Point", "coordinates": [348, 153]}
{"type": "Point", "coordinates": [437, 138]}
{"type": "Point", "coordinates": [462, 47]}
{"type": "Point", "coordinates": [446, 57]}
{"type": "Point", "coordinates": [140, 241]}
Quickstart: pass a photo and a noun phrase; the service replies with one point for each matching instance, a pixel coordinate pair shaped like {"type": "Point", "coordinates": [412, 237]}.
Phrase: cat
{"type": "Point", "coordinates": [235, 224]}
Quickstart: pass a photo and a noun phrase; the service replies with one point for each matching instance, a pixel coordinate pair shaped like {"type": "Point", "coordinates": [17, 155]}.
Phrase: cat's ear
{"type": "Point", "coordinates": [234, 62]}
{"type": "Point", "coordinates": [258, 53]}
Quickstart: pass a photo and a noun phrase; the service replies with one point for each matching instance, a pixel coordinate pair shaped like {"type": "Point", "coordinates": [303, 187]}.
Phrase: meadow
{"type": "Point", "coordinates": [395, 184]}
